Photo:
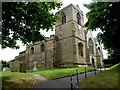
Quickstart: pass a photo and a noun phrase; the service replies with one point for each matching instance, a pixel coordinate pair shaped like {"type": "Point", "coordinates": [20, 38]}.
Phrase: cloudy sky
{"type": "Point", "coordinates": [9, 54]}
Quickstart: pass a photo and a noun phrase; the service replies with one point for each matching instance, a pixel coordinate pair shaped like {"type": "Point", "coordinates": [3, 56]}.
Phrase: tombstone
{"type": "Point", "coordinates": [22, 68]}
{"type": "Point", "coordinates": [34, 66]}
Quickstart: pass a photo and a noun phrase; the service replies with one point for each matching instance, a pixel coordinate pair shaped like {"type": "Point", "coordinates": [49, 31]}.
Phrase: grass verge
{"type": "Point", "coordinates": [108, 79]}
{"type": "Point", "coordinates": [54, 73]}
{"type": "Point", "coordinates": [17, 80]}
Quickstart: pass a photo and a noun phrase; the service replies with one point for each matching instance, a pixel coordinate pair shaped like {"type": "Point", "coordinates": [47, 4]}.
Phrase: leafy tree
{"type": "Point", "coordinates": [106, 17]}
{"type": "Point", "coordinates": [5, 63]}
{"type": "Point", "coordinates": [24, 20]}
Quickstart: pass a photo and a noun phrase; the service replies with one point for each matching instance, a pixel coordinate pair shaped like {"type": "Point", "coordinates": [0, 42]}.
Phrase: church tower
{"type": "Point", "coordinates": [71, 42]}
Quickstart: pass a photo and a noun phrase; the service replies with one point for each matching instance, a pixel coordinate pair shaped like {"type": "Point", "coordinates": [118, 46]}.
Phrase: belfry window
{"type": "Point", "coordinates": [78, 18]}
{"type": "Point", "coordinates": [63, 18]}
{"type": "Point", "coordinates": [32, 50]}
{"type": "Point", "coordinates": [80, 49]}
{"type": "Point", "coordinates": [42, 47]}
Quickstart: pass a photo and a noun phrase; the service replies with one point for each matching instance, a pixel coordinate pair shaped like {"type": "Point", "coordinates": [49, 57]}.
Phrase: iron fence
{"type": "Point", "coordinates": [76, 73]}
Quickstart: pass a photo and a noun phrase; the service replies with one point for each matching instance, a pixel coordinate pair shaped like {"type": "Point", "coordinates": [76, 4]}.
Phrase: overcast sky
{"type": "Point", "coordinates": [9, 54]}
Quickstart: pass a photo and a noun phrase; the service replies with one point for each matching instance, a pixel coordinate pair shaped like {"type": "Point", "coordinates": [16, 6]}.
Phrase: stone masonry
{"type": "Point", "coordinates": [71, 46]}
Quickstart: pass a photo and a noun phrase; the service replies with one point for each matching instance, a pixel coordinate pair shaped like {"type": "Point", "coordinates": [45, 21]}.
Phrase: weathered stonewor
{"type": "Point", "coordinates": [71, 46]}
{"type": "Point", "coordinates": [23, 67]}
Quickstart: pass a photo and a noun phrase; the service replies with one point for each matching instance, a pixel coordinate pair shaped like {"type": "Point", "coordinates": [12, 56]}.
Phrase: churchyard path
{"type": "Point", "coordinates": [65, 82]}
{"type": "Point", "coordinates": [39, 77]}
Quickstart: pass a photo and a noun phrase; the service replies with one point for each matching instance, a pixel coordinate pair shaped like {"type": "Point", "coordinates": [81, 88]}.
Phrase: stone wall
{"type": "Point", "coordinates": [62, 49]}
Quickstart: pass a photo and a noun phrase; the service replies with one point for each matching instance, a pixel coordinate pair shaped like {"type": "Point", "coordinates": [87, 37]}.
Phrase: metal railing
{"type": "Point", "coordinates": [73, 85]}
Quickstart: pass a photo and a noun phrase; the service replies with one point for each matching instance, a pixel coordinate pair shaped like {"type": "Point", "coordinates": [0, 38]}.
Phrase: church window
{"type": "Point", "coordinates": [78, 18]}
{"type": "Point", "coordinates": [63, 18]}
{"type": "Point", "coordinates": [32, 50]}
{"type": "Point", "coordinates": [98, 48]}
{"type": "Point", "coordinates": [91, 46]}
{"type": "Point", "coordinates": [80, 49]}
{"type": "Point", "coordinates": [42, 47]}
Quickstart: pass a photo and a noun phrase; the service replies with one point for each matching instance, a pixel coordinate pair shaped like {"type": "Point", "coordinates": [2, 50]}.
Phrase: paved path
{"type": "Point", "coordinates": [39, 77]}
{"type": "Point", "coordinates": [65, 82]}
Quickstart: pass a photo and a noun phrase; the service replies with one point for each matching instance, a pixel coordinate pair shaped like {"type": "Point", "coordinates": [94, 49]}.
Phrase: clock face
{"type": "Point", "coordinates": [79, 27]}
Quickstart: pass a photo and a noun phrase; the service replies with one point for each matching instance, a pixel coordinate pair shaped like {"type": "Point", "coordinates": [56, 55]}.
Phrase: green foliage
{"type": "Point", "coordinates": [106, 17]}
{"type": "Point", "coordinates": [24, 20]}
{"type": "Point", "coordinates": [108, 65]}
{"type": "Point", "coordinates": [5, 63]}
{"type": "Point", "coordinates": [17, 80]}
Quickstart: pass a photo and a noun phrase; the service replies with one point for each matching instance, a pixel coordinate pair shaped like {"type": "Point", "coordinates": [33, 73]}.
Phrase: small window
{"type": "Point", "coordinates": [32, 50]}
{"type": "Point", "coordinates": [80, 49]}
{"type": "Point", "coordinates": [78, 18]}
{"type": "Point", "coordinates": [63, 18]}
{"type": "Point", "coordinates": [42, 47]}
{"type": "Point", "coordinates": [99, 48]}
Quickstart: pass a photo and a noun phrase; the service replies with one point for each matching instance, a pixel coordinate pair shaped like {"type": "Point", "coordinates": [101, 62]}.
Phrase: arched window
{"type": "Point", "coordinates": [91, 46]}
{"type": "Point", "coordinates": [99, 48]}
{"type": "Point", "coordinates": [32, 50]}
{"type": "Point", "coordinates": [42, 46]}
{"type": "Point", "coordinates": [78, 18]}
{"type": "Point", "coordinates": [80, 49]}
{"type": "Point", "coordinates": [63, 18]}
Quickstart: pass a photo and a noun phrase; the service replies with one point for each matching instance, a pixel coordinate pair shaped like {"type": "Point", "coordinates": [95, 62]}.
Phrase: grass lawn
{"type": "Point", "coordinates": [17, 80]}
{"type": "Point", "coordinates": [108, 79]}
{"type": "Point", "coordinates": [53, 73]}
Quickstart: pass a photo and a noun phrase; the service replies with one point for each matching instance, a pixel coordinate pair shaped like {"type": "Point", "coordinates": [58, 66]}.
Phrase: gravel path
{"type": "Point", "coordinates": [64, 82]}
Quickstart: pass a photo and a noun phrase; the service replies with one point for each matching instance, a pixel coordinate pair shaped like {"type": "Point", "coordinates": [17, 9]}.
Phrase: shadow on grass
{"type": "Point", "coordinates": [8, 83]}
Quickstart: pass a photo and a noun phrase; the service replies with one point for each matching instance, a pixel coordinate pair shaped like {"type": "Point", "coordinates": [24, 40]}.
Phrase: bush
{"type": "Point", "coordinates": [108, 65]}
{"type": "Point", "coordinates": [111, 61]}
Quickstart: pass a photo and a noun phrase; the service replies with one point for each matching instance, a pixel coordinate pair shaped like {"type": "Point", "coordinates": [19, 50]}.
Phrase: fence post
{"type": "Point", "coordinates": [77, 76]}
{"type": "Point", "coordinates": [94, 70]}
{"type": "Point", "coordinates": [71, 82]}
{"type": "Point", "coordinates": [85, 73]}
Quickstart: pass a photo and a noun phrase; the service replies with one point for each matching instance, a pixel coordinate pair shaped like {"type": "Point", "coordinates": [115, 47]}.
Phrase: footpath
{"type": "Point", "coordinates": [63, 82]}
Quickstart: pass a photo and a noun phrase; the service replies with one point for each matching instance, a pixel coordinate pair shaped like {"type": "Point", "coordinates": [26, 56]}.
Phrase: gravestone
{"type": "Point", "coordinates": [22, 67]}
{"type": "Point", "coordinates": [34, 67]}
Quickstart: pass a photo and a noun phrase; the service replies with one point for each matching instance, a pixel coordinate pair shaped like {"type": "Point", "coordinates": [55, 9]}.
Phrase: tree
{"type": "Point", "coordinates": [4, 64]}
{"type": "Point", "coordinates": [106, 17]}
{"type": "Point", "coordinates": [24, 20]}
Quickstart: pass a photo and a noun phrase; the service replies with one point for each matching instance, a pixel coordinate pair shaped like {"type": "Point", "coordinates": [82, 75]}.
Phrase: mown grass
{"type": "Point", "coordinates": [54, 73]}
{"type": "Point", "coordinates": [108, 79]}
{"type": "Point", "coordinates": [17, 80]}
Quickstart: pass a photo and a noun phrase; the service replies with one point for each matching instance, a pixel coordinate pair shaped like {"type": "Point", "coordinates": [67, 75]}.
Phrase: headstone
{"type": "Point", "coordinates": [34, 67]}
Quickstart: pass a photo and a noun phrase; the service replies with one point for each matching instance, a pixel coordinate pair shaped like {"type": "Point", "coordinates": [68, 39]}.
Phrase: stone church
{"type": "Point", "coordinates": [71, 46]}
